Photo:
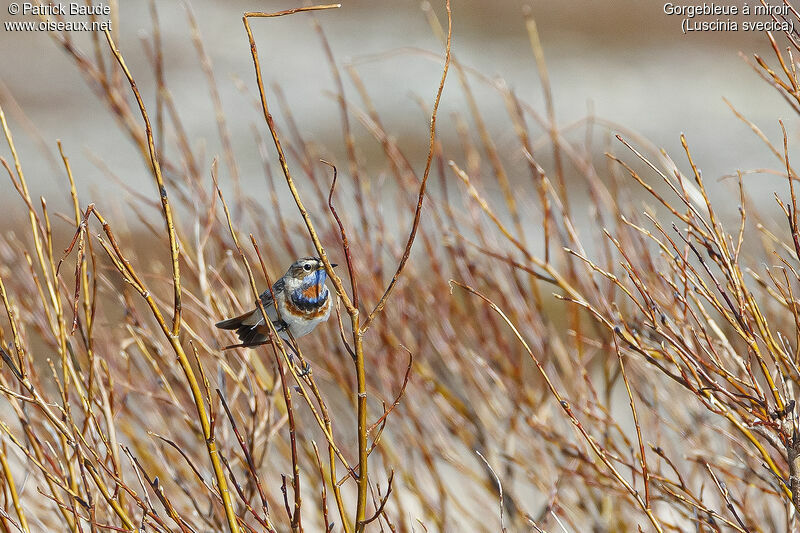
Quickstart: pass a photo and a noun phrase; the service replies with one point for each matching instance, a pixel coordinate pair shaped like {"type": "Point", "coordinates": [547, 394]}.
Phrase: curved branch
{"type": "Point", "coordinates": [418, 212]}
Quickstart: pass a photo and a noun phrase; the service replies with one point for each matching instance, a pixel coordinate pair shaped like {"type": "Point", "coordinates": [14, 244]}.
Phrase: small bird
{"type": "Point", "coordinates": [303, 301]}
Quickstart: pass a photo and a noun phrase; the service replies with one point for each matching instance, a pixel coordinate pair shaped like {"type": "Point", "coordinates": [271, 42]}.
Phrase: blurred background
{"type": "Point", "coordinates": [622, 61]}
{"type": "Point", "coordinates": [625, 64]}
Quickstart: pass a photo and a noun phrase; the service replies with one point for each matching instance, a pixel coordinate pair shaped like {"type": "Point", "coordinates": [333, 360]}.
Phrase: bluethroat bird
{"type": "Point", "coordinates": [302, 301]}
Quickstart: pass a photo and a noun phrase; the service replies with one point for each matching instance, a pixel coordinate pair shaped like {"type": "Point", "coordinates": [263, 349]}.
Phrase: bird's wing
{"type": "Point", "coordinates": [266, 296]}
{"type": "Point", "coordinates": [269, 304]}
{"type": "Point", "coordinates": [266, 299]}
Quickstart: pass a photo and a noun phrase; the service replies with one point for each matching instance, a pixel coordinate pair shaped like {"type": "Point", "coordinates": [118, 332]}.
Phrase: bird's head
{"type": "Point", "coordinates": [307, 272]}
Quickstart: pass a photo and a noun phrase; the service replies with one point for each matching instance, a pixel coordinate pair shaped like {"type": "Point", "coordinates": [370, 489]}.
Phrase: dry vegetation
{"type": "Point", "coordinates": [491, 376]}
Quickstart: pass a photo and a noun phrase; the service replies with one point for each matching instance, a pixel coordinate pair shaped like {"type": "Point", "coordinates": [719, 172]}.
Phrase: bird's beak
{"type": "Point", "coordinates": [322, 266]}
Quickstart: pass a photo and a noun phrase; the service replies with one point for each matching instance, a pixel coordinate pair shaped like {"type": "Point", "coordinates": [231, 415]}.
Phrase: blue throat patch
{"type": "Point", "coordinates": [315, 279]}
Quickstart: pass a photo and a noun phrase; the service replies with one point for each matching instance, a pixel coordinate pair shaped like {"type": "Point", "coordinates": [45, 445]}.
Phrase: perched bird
{"type": "Point", "coordinates": [302, 301]}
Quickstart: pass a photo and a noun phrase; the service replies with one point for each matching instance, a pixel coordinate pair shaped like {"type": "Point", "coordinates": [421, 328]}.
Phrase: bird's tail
{"type": "Point", "coordinates": [250, 327]}
{"type": "Point", "coordinates": [235, 322]}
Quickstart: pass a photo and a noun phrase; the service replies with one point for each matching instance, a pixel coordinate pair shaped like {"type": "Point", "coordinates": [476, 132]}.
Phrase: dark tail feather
{"type": "Point", "coordinates": [250, 335]}
{"type": "Point", "coordinates": [247, 333]}
{"type": "Point", "coordinates": [235, 322]}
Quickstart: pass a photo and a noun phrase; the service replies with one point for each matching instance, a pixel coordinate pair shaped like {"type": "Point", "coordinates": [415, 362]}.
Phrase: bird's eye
{"type": "Point", "coordinates": [306, 267]}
